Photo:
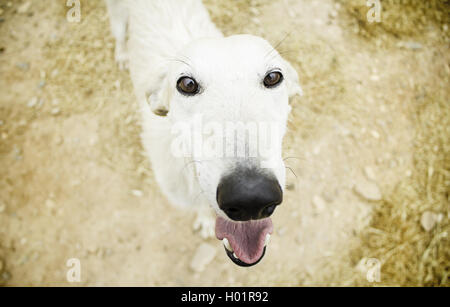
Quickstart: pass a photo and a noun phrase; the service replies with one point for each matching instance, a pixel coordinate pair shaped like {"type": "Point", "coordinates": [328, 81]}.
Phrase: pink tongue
{"type": "Point", "coordinates": [246, 238]}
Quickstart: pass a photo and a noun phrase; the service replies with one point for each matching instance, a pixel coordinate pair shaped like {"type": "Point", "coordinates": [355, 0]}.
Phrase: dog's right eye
{"type": "Point", "coordinates": [187, 86]}
{"type": "Point", "coordinates": [273, 79]}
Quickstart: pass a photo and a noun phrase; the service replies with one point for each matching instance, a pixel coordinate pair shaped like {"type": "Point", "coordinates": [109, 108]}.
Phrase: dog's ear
{"type": "Point", "coordinates": [292, 82]}
{"type": "Point", "coordinates": [159, 98]}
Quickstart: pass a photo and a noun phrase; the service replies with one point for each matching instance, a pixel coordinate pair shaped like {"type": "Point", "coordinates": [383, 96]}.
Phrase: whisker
{"type": "Point", "coordinates": [279, 43]}
{"type": "Point", "coordinates": [179, 60]}
{"type": "Point", "coordinates": [184, 59]}
{"type": "Point", "coordinates": [287, 51]}
{"type": "Point", "coordinates": [189, 163]}
{"type": "Point", "coordinates": [298, 158]}
{"type": "Point", "coordinates": [292, 171]}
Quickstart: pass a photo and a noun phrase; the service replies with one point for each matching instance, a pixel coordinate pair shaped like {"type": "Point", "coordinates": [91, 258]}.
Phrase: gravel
{"type": "Point", "coordinates": [204, 254]}
{"type": "Point", "coordinates": [430, 219]}
{"type": "Point", "coordinates": [368, 190]}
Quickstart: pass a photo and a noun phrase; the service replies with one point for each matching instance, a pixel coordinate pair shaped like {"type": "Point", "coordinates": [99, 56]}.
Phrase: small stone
{"type": "Point", "coordinates": [429, 220]}
{"type": "Point", "coordinates": [345, 131]}
{"type": "Point", "coordinates": [6, 276]}
{"type": "Point", "coordinates": [375, 134]}
{"type": "Point", "coordinates": [430, 171]}
{"type": "Point", "coordinates": [33, 101]}
{"type": "Point", "coordinates": [137, 193]}
{"type": "Point", "coordinates": [55, 111]}
{"type": "Point", "coordinates": [204, 254]}
{"type": "Point", "coordinates": [40, 103]}
{"type": "Point", "coordinates": [369, 172]}
{"type": "Point", "coordinates": [17, 153]}
{"type": "Point", "coordinates": [54, 73]}
{"type": "Point", "coordinates": [254, 11]}
{"type": "Point", "coordinates": [413, 45]}
{"type": "Point", "coordinates": [2, 207]}
{"type": "Point", "coordinates": [316, 150]}
{"type": "Point", "coordinates": [50, 204]}
{"type": "Point", "coordinates": [256, 20]}
{"type": "Point", "coordinates": [92, 249]}
{"type": "Point", "coordinates": [281, 231]}
{"type": "Point", "coordinates": [319, 203]}
{"type": "Point", "coordinates": [23, 260]}
{"type": "Point", "coordinates": [23, 9]}
{"type": "Point", "coordinates": [23, 66]}
{"type": "Point", "coordinates": [368, 190]}
{"type": "Point", "coordinates": [392, 164]}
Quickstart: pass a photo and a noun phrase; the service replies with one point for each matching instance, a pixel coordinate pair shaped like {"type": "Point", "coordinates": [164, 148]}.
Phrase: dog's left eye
{"type": "Point", "coordinates": [272, 79]}
{"type": "Point", "coordinates": [187, 86]}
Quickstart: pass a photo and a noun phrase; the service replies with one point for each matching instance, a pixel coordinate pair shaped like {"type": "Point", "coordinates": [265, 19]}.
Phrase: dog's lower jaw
{"type": "Point", "coordinates": [239, 262]}
{"type": "Point", "coordinates": [245, 242]}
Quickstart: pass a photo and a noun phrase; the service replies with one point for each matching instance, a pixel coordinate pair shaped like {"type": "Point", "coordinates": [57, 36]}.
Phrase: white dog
{"type": "Point", "coordinates": [185, 72]}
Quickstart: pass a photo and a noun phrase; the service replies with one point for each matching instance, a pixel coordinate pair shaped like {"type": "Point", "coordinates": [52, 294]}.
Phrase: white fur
{"type": "Point", "coordinates": [169, 38]}
{"type": "Point", "coordinates": [118, 13]}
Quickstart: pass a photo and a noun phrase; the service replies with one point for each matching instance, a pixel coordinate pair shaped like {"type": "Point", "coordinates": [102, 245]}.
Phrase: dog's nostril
{"type": "Point", "coordinates": [269, 210]}
{"type": "Point", "coordinates": [232, 210]}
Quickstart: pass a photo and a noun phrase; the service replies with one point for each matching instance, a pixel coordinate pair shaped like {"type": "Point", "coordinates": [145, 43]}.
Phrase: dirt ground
{"type": "Point", "coordinates": [75, 183]}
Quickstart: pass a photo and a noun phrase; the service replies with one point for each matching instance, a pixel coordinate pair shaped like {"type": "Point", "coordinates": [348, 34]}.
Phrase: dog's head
{"type": "Point", "coordinates": [228, 100]}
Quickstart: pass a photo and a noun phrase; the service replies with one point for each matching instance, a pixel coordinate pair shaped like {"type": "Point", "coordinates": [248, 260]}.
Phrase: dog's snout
{"type": "Point", "coordinates": [249, 195]}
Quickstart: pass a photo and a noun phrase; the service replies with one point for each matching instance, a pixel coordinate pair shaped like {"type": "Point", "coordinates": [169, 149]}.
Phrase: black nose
{"type": "Point", "coordinates": [249, 194]}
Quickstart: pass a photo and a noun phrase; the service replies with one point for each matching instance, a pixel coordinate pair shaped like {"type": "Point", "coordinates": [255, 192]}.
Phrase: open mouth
{"type": "Point", "coordinates": [244, 242]}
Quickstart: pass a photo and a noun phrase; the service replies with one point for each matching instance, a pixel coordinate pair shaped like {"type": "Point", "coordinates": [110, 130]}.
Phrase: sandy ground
{"type": "Point", "coordinates": [75, 182]}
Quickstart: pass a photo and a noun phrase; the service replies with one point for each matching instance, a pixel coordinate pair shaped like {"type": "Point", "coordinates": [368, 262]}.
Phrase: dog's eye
{"type": "Point", "coordinates": [272, 79]}
{"type": "Point", "coordinates": [187, 86]}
